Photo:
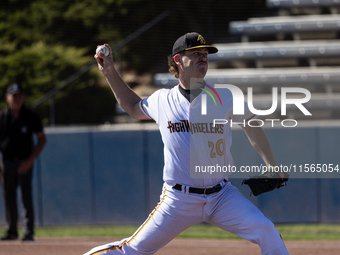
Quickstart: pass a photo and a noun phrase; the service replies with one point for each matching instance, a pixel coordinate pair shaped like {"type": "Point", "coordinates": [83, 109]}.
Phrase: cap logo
{"type": "Point", "coordinates": [201, 39]}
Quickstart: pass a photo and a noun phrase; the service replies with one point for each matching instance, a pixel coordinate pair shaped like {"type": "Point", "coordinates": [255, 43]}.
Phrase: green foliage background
{"type": "Point", "coordinates": [43, 42]}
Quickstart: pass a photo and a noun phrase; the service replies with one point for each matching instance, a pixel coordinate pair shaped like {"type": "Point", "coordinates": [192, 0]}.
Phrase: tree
{"type": "Point", "coordinates": [44, 42]}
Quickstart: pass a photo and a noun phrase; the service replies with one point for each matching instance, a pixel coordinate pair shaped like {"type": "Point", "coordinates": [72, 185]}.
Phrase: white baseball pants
{"type": "Point", "coordinates": [178, 210]}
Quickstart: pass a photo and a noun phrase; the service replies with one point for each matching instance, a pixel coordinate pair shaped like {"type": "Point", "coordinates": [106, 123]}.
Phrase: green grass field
{"type": "Point", "coordinates": [288, 232]}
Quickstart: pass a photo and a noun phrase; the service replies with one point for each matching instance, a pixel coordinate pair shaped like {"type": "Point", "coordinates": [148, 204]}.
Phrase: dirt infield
{"type": "Point", "coordinates": [77, 246]}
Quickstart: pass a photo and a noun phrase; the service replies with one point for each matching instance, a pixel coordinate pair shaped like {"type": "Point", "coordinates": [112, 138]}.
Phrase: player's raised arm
{"type": "Point", "coordinates": [125, 96]}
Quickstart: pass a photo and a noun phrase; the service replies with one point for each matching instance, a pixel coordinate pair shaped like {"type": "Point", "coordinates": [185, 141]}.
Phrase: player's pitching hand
{"type": "Point", "coordinates": [105, 63]}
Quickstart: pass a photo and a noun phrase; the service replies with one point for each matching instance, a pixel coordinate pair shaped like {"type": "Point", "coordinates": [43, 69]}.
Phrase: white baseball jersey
{"type": "Point", "coordinates": [192, 144]}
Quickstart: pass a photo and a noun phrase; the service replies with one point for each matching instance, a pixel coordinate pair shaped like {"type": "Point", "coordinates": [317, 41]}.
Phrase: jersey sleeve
{"type": "Point", "coordinates": [150, 105]}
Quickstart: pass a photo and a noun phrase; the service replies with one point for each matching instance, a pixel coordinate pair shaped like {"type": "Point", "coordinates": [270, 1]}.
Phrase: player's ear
{"type": "Point", "coordinates": [177, 59]}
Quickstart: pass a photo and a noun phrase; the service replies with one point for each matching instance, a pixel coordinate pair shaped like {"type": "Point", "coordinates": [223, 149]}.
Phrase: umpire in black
{"type": "Point", "coordinates": [17, 126]}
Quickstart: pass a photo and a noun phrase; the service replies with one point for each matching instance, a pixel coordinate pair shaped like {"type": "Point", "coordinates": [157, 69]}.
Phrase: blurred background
{"type": "Point", "coordinates": [48, 47]}
{"type": "Point", "coordinates": [44, 43]}
{"type": "Point", "coordinates": [102, 167]}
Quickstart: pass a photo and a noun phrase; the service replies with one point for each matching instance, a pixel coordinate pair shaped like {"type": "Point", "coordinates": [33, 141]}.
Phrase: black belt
{"type": "Point", "coordinates": [205, 191]}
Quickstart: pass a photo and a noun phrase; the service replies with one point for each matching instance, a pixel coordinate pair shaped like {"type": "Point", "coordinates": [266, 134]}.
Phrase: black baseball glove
{"type": "Point", "coordinates": [265, 182]}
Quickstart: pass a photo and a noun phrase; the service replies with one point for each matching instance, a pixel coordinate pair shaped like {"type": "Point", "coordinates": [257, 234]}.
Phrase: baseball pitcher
{"type": "Point", "coordinates": [192, 143]}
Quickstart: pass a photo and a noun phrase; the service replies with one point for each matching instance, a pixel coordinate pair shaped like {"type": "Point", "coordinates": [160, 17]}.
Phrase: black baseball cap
{"type": "Point", "coordinates": [14, 88]}
{"type": "Point", "coordinates": [190, 41]}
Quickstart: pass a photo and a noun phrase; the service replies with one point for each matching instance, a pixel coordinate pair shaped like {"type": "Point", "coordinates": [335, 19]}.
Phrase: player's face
{"type": "Point", "coordinates": [15, 101]}
{"type": "Point", "coordinates": [195, 63]}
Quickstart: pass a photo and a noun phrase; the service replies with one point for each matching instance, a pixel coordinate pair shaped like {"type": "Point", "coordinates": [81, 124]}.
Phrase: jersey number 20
{"type": "Point", "coordinates": [219, 148]}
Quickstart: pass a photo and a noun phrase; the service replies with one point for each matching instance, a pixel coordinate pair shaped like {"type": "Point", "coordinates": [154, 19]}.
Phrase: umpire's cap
{"type": "Point", "coordinates": [14, 88]}
{"type": "Point", "coordinates": [190, 41]}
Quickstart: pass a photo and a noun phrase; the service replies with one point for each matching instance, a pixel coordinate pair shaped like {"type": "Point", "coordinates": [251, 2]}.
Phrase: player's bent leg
{"type": "Point", "coordinates": [167, 220]}
{"type": "Point", "coordinates": [239, 216]}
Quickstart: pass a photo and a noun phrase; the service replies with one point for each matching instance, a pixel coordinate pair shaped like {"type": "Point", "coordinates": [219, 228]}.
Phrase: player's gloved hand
{"type": "Point", "coordinates": [265, 182]}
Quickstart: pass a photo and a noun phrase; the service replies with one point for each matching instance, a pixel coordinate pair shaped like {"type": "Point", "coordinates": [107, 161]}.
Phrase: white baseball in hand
{"type": "Point", "coordinates": [104, 49]}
